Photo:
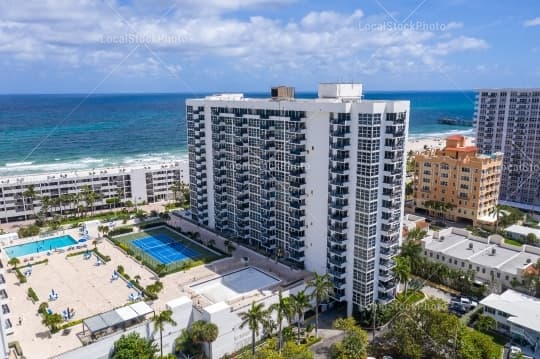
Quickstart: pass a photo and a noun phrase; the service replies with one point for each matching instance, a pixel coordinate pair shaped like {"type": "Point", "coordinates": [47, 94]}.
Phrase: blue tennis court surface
{"type": "Point", "coordinates": [165, 249]}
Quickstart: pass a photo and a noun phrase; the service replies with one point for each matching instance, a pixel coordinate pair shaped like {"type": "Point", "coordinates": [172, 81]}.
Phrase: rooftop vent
{"type": "Point", "coordinates": [529, 261]}
{"type": "Point", "coordinates": [282, 92]}
{"type": "Point", "coordinates": [493, 252]}
{"type": "Point", "coordinates": [470, 246]}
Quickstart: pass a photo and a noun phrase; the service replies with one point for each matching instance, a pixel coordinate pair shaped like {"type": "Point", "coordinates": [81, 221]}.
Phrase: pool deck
{"type": "Point", "coordinates": [88, 289]}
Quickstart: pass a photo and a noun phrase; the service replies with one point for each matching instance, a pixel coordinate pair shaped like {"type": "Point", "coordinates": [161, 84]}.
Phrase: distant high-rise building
{"type": "Point", "coordinates": [508, 121]}
{"type": "Point", "coordinates": [458, 183]}
{"type": "Point", "coordinates": [316, 182]}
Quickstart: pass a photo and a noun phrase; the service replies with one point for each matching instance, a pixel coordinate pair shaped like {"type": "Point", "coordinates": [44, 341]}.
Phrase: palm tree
{"type": "Point", "coordinates": [413, 251]}
{"type": "Point", "coordinates": [175, 188]}
{"type": "Point", "coordinates": [300, 302]}
{"type": "Point", "coordinates": [416, 234]}
{"type": "Point", "coordinates": [322, 289]}
{"type": "Point", "coordinates": [165, 317]}
{"type": "Point", "coordinates": [496, 210]}
{"type": "Point", "coordinates": [119, 196]}
{"type": "Point", "coordinates": [253, 318]}
{"type": "Point", "coordinates": [282, 308]}
{"type": "Point", "coordinates": [45, 204]}
{"type": "Point", "coordinates": [14, 262]}
{"type": "Point", "coordinates": [29, 194]}
{"type": "Point", "coordinates": [52, 321]}
{"type": "Point", "coordinates": [402, 270]}
{"type": "Point", "coordinates": [210, 332]}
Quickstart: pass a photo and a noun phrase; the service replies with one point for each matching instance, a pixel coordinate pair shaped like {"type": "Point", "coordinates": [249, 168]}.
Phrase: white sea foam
{"type": "Point", "coordinates": [18, 164]}
{"type": "Point", "coordinates": [21, 168]}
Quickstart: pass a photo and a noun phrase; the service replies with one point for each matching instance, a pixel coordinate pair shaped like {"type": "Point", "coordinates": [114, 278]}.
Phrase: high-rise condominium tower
{"type": "Point", "coordinates": [316, 182]}
{"type": "Point", "coordinates": [508, 121]}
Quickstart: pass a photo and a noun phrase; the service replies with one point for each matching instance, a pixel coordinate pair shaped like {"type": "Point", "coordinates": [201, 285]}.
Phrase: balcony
{"type": "Point", "coordinates": [337, 238]}
{"type": "Point", "coordinates": [342, 169]}
{"type": "Point", "coordinates": [387, 265]}
{"type": "Point", "coordinates": [385, 298]}
{"type": "Point", "coordinates": [337, 273]}
{"type": "Point", "coordinates": [339, 283]}
{"type": "Point", "coordinates": [385, 276]}
{"type": "Point", "coordinates": [337, 261]}
{"type": "Point", "coordinates": [339, 250]}
{"type": "Point", "coordinates": [388, 253]}
{"type": "Point", "coordinates": [386, 288]}
{"type": "Point", "coordinates": [338, 227]}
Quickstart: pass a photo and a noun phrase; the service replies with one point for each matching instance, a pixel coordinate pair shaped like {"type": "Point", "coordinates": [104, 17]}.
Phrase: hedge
{"type": "Point", "coordinates": [119, 230]}
{"type": "Point", "coordinates": [152, 224]}
{"type": "Point", "coordinates": [21, 277]}
{"type": "Point", "coordinates": [104, 257]}
{"type": "Point", "coordinates": [32, 295]}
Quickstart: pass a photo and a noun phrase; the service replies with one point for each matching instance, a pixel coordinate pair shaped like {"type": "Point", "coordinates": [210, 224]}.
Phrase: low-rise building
{"type": "Point", "coordinates": [490, 258]}
{"type": "Point", "coordinates": [139, 184]}
{"type": "Point", "coordinates": [457, 182]}
{"type": "Point", "coordinates": [411, 221]}
{"type": "Point", "coordinates": [517, 315]}
{"type": "Point", "coordinates": [520, 233]}
{"type": "Point", "coordinates": [219, 300]}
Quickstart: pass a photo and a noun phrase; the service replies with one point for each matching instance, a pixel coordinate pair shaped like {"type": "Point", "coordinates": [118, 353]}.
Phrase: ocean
{"type": "Point", "coordinates": [48, 133]}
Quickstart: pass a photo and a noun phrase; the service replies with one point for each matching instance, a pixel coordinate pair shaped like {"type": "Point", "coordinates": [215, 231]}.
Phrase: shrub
{"type": "Point", "coordinates": [120, 230]}
{"type": "Point", "coordinates": [152, 224]}
{"type": "Point", "coordinates": [43, 308]}
{"type": "Point", "coordinates": [104, 257]}
{"type": "Point", "coordinates": [21, 277]}
{"type": "Point", "coordinates": [29, 231]}
{"type": "Point", "coordinates": [120, 269]}
{"type": "Point", "coordinates": [32, 295]}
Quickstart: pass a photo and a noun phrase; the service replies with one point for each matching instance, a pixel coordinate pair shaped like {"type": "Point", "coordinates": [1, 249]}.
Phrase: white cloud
{"type": "Point", "coordinates": [532, 22]}
{"type": "Point", "coordinates": [92, 34]}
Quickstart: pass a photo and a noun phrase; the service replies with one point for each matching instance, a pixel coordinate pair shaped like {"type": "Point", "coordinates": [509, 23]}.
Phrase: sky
{"type": "Point", "coordinates": [193, 46]}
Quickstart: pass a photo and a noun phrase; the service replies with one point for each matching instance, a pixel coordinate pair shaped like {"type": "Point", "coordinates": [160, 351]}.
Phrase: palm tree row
{"type": "Point", "coordinates": [82, 202]}
{"type": "Point", "coordinates": [290, 308]}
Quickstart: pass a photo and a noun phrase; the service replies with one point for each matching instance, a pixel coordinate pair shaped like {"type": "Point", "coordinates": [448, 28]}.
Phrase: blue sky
{"type": "Point", "coordinates": [248, 45]}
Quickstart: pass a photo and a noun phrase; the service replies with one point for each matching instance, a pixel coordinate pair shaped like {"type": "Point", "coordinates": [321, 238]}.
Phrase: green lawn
{"type": "Point", "coordinates": [513, 242]}
{"type": "Point", "coordinates": [125, 242]}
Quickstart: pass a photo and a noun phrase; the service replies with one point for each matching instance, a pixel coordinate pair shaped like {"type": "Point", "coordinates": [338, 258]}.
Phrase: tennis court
{"type": "Point", "coordinates": [165, 246]}
{"type": "Point", "coordinates": [165, 249]}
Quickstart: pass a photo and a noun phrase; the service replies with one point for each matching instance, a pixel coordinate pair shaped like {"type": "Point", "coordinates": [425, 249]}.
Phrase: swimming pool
{"type": "Point", "coordinates": [39, 246]}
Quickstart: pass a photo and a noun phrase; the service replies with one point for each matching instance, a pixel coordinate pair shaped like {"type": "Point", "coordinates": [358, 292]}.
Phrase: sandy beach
{"type": "Point", "coordinates": [419, 144]}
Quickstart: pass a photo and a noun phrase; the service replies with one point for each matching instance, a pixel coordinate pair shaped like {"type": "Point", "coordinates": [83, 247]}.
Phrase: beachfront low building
{"type": "Point", "coordinates": [517, 315]}
{"type": "Point", "coordinates": [138, 184]}
{"type": "Point", "coordinates": [457, 182]}
{"type": "Point", "coordinates": [490, 258]}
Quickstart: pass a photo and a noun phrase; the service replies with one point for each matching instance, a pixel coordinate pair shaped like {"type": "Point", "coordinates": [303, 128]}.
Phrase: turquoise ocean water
{"type": "Point", "coordinates": [45, 133]}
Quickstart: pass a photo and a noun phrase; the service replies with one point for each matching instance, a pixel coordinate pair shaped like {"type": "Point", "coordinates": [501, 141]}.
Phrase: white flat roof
{"type": "Point", "coordinates": [126, 313]}
{"type": "Point", "coordinates": [93, 172]}
{"type": "Point", "coordinates": [178, 302]}
{"type": "Point", "coordinates": [523, 309]}
{"type": "Point", "coordinates": [507, 259]}
{"type": "Point", "coordinates": [234, 284]}
{"type": "Point", "coordinates": [141, 308]}
{"type": "Point", "coordinates": [523, 230]}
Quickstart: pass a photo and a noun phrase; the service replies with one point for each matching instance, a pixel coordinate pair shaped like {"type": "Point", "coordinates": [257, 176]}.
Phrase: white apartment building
{"type": "Point", "coordinates": [508, 120]}
{"type": "Point", "coordinates": [316, 182]}
{"type": "Point", "coordinates": [142, 184]}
